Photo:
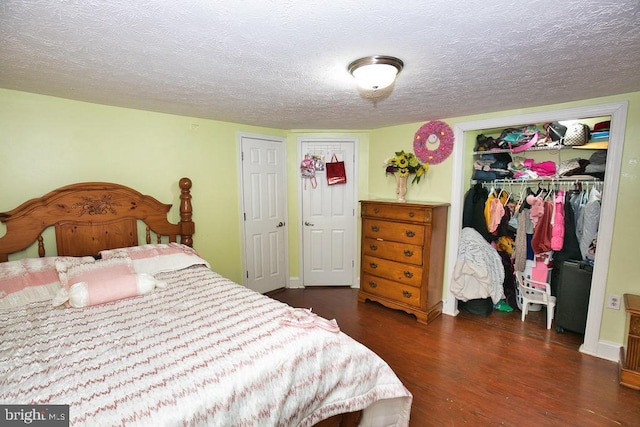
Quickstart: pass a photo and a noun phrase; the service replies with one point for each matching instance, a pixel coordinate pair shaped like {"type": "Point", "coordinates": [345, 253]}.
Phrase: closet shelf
{"type": "Point", "coordinates": [506, 150]}
{"type": "Point", "coordinates": [549, 180]}
{"type": "Point", "coordinates": [594, 145]}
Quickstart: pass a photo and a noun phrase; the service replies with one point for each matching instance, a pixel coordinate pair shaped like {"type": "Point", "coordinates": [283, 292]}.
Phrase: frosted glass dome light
{"type": "Point", "coordinates": [375, 72]}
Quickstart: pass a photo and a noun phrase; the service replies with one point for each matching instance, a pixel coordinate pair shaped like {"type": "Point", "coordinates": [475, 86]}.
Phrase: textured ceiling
{"type": "Point", "coordinates": [282, 64]}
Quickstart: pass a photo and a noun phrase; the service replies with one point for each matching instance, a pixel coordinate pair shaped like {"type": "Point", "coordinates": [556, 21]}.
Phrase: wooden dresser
{"type": "Point", "coordinates": [403, 251]}
{"type": "Point", "coordinates": [629, 366]}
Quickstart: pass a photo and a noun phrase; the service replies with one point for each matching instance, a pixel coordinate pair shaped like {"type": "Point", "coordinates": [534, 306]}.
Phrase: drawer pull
{"type": "Point", "coordinates": [373, 284]}
{"type": "Point", "coordinates": [407, 294]}
{"type": "Point", "coordinates": [407, 252]}
{"type": "Point", "coordinates": [373, 247]}
{"type": "Point", "coordinates": [373, 265]}
{"type": "Point", "coordinates": [376, 210]}
{"type": "Point", "coordinates": [408, 274]}
{"type": "Point", "coordinates": [411, 214]}
{"type": "Point", "coordinates": [375, 228]}
{"type": "Point", "coordinates": [410, 233]}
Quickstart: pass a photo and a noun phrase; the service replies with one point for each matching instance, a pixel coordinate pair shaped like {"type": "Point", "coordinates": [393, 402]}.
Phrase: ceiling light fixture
{"type": "Point", "coordinates": [375, 72]}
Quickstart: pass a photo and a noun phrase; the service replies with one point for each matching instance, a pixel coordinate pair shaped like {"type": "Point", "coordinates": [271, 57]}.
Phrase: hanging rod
{"type": "Point", "coordinates": [550, 180]}
{"type": "Point", "coordinates": [561, 182]}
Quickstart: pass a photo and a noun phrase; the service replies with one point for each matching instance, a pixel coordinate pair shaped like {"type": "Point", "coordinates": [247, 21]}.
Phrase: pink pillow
{"type": "Point", "coordinates": [29, 280]}
{"type": "Point", "coordinates": [159, 258]}
{"type": "Point", "coordinates": [86, 283]}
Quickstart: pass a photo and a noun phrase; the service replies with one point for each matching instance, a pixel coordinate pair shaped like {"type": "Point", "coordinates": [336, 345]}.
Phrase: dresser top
{"type": "Point", "coordinates": [632, 303]}
{"type": "Point", "coordinates": [395, 202]}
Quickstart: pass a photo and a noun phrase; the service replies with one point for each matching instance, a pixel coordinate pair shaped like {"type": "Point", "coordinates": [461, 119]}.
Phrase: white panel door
{"type": "Point", "coordinates": [328, 219]}
{"type": "Point", "coordinates": [264, 205]}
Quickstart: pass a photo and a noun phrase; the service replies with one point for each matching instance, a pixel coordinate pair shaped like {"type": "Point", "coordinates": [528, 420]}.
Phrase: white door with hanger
{"type": "Point", "coordinates": [328, 216]}
{"type": "Point", "coordinates": [264, 211]}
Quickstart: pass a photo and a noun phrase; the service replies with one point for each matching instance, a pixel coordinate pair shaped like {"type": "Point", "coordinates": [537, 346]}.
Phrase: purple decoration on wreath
{"type": "Point", "coordinates": [433, 142]}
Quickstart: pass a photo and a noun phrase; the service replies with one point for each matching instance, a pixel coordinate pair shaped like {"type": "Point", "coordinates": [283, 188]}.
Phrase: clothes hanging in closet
{"type": "Point", "coordinates": [547, 225]}
{"type": "Point", "coordinates": [570, 245]}
{"type": "Point", "coordinates": [588, 220]}
{"type": "Point", "coordinates": [485, 214]}
{"type": "Point", "coordinates": [557, 231]}
{"type": "Point", "coordinates": [541, 239]}
{"type": "Point", "coordinates": [478, 272]}
{"type": "Point", "coordinates": [473, 211]}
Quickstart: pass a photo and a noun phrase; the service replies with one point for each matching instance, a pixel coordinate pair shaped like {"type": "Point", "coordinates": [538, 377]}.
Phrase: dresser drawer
{"type": "Point", "coordinates": [393, 231]}
{"type": "Point", "coordinates": [634, 326]}
{"type": "Point", "coordinates": [397, 212]}
{"type": "Point", "coordinates": [395, 251]}
{"type": "Point", "coordinates": [389, 289]}
{"type": "Point", "coordinates": [396, 271]}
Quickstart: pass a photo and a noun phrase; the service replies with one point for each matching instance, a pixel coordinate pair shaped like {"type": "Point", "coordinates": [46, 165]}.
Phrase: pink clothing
{"type": "Point", "coordinates": [557, 232]}
{"type": "Point", "coordinates": [541, 241]}
{"type": "Point", "coordinates": [496, 212]}
{"type": "Point", "coordinates": [544, 168]}
{"type": "Point", "coordinates": [547, 168]}
{"type": "Point", "coordinates": [537, 209]}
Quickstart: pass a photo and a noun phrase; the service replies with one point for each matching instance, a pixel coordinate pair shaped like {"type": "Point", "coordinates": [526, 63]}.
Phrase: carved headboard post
{"type": "Point", "coordinates": [187, 226]}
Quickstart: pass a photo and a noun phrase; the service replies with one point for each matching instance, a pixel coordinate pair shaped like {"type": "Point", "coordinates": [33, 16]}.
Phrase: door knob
{"type": "Point", "coordinates": [308, 224]}
{"type": "Point", "coordinates": [280, 224]}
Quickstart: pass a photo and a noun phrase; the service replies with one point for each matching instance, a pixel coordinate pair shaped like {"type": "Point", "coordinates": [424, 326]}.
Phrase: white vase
{"type": "Point", "coordinates": [401, 187]}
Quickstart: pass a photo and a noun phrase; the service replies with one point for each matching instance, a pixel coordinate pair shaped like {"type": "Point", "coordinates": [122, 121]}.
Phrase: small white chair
{"type": "Point", "coordinates": [534, 292]}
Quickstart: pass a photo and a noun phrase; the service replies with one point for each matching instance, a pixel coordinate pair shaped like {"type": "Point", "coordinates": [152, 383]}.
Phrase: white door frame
{"type": "Point", "coordinates": [318, 139]}
{"type": "Point", "coordinates": [618, 113]}
{"type": "Point", "coordinates": [283, 141]}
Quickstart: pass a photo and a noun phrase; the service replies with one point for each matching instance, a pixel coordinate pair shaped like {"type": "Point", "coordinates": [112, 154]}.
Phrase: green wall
{"type": "Point", "coordinates": [48, 142]}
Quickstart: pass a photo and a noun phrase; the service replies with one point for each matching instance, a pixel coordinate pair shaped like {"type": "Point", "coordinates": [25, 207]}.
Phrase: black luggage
{"type": "Point", "coordinates": [573, 292]}
{"type": "Point", "coordinates": [478, 307]}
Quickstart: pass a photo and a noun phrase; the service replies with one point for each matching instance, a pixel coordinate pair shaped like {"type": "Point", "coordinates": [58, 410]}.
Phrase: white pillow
{"type": "Point", "coordinates": [98, 282]}
{"type": "Point", "coordinates": [30, 280]}
{"type": "Point", "coordinates": [159, 258]}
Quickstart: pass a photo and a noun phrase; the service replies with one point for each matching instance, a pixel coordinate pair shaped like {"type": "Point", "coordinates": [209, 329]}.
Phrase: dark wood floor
{"type": "Point", "coordinates": [475, 371]}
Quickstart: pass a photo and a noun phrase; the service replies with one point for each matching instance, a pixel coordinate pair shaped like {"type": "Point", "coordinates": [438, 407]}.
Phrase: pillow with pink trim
{"type": "Point", "coordinates": [85, 283]}
{"type": "Point", "coordinates": [159, 258]}
{"type": "Point", "coordinates": [29, 280]}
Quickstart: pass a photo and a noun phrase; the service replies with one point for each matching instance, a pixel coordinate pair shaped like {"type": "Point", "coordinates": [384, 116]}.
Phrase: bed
{"type": "Point", "coordinates": [129, 326]}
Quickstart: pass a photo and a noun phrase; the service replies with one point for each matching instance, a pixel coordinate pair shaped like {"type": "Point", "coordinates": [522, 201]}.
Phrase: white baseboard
{"type": "Point", "coordinates": [294, 283]}
{"type": "Point", "coordinates": [606, 350]}
{"type": "Point", "coordinates": [450, 307]}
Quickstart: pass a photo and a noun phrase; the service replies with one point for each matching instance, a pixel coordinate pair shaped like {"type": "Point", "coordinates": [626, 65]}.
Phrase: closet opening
{"type": "Point", "coordinates": [466, 155]}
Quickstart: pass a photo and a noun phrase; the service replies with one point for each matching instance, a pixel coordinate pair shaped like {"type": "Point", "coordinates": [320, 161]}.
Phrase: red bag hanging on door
{"type": "Point", "coordinates": [335, 171]}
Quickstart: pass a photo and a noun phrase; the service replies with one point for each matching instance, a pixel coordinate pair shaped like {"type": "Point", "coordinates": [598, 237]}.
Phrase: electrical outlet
{"type": "Point", "coordinates": [614, 302]}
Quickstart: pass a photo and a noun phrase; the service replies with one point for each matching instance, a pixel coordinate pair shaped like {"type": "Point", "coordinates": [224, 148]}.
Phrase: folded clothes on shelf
{"type": "Point", "coordinates": [600, 136]}
{"type": "Point", "coordinates": [492, 166]}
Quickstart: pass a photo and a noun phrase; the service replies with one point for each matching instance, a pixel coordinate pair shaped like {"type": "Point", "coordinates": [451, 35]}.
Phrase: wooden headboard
{"type": "Point", "coordinates": [93, 216]}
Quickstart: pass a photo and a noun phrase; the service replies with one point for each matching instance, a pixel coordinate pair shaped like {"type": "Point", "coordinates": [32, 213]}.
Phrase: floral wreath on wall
{"type": "Point", "coordinates": [433, 142]}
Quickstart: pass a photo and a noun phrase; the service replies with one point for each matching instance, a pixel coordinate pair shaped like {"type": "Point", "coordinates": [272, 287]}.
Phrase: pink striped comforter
{"type": "Point", "coordinates": [204, 351]}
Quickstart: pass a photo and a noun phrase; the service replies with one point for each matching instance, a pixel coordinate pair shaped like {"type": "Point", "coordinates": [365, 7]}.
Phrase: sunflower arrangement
{"type": "Point", "coordinates": [405, 164]}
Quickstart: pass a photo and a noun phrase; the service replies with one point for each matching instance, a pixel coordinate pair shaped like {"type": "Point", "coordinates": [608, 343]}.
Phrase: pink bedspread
{"type": "Point", "coordinates": [204, 351]}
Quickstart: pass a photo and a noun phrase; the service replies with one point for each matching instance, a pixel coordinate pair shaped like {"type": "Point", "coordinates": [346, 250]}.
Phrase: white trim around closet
{"type": "Point", "coordinates": [618, 111]}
